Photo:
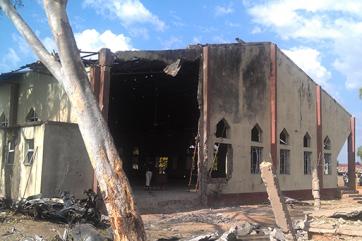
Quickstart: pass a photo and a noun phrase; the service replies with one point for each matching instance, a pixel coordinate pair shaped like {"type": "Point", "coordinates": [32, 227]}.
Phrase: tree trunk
{"type": "Point", "coordinates": [126, 222]}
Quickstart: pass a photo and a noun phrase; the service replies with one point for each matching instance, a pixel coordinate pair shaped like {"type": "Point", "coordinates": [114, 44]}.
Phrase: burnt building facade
{"type": "Point", "coordinates": [205, 117]}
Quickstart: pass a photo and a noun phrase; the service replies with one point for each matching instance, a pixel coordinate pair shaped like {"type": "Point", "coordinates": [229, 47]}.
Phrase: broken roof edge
{"type": "Point", "coordinates": [191, 52]}
{"type": "Point", "coordinates": [36, 67]}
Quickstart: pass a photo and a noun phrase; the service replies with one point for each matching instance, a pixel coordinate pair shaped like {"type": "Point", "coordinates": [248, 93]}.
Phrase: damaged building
{"type": "Point", "coordinates": [204, 117]}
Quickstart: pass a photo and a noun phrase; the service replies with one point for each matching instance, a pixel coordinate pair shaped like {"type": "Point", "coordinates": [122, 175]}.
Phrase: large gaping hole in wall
{"type": "Point", "coordinates": [153, 118]}
{"type": "Point", "coordinates": [222, 159]}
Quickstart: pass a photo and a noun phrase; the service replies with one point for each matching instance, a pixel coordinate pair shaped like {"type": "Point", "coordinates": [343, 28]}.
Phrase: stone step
{"type": "Point", "coordinates": [348, 191]}
{"type": "Point", "coordinates": [355, 195]}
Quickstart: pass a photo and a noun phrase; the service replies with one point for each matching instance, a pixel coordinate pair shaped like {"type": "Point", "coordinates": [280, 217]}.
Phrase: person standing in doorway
{"type": "Point", "coordinates": [150, 166]}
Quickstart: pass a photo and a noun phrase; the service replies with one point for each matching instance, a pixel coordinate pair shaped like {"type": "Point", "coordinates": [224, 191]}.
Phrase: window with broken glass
{"type": "Point", "coordinates": [32, 116]}
{"type": "Point", "coordinates": [327, 164]}
{"type": "Point", "coordinates": [307, 163]}
{"type": "Point", "coordinates": [221, 159]}
{"type": "Point", "coordinates": [3, 120]}
{"type": "Point", "coordinates": [256, 157]}
{"type": "Point", "coordinates": [29, 151]}
{"type": "Point", "coordinates": [10, 154]}
{"type": "Point", "coordinates": [256, 133]}
{"type": "Point", "coordinates": [327, 143]}
{"type": "Point", "coordinates": [284, 137]}
{"type": "Point", "coordinates": [284, 161]}
{"type": "Point", "coordinates": [306, 140]}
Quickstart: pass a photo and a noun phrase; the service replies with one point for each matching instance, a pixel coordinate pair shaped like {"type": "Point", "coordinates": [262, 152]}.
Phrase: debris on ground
{"type": "Point", "coordinates": [336, 224]}
{"type": "Point", "coordinates": [66, 209]}
{"type": "Point", "coordinates": [292, 201]}
{"type": "Point", "coordinates": [250, 222]}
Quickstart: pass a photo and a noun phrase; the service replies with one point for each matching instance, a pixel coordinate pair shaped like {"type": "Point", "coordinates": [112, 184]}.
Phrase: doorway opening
{"type": "Point", "coordinates": [153, 118]}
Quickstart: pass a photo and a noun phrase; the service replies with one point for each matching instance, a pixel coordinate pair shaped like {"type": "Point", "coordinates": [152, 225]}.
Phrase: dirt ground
{"type": "Point", "coordinates": [182, 225]}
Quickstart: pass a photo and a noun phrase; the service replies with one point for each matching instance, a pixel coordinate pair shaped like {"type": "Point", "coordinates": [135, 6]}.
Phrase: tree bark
{"type": "Point", "coordinates": [116, 191]}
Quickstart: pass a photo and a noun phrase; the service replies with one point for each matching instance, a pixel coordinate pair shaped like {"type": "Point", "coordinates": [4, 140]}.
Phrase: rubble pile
{"type": "Point", "coordinates": [252, 231]}
{"type": "Point", "coordinates": [66, 209]}
{"type": "Point", "coordinates": [341, 224]}
{"type": "Point", "coordinates": [191, 217]}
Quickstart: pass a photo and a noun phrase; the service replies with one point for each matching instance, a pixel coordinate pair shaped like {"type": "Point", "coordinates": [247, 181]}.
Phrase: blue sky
{"type": "Point", "coordinates": [323, 37]}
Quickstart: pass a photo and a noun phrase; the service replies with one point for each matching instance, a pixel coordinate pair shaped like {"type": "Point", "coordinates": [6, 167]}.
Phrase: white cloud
{"type": "Point", "coordinates": [219, 39]}
{"type": "Point", "coordinates": [256, 30]}
{"type": "Point", "coordinates": [92, 40]}
{"type": "Point", "coordinates": [49, 44]}
{"type": "Point", "coordinates": [223, 10]}
{"type": "Point", "coordinates": [10, 60]}
{"type": "Point", "coordinates": [14, 55]}
{"type": "Point", "coordinates": [129, 12]}
{"type": "Point", "coordinates": [196, 40]}
{"type": "Point", "coordinates": [309, 60]}
{"type": "Point", "coordinates": [334, 24]}
{"type": "Point", "coordinates": [172, 42]}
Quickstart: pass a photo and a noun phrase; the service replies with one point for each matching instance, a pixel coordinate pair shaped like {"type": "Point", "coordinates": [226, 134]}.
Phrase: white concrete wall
{"type": "Point", "coordinates": [335, 121]}
{"type": "Point", "coordinates": [296, 112]}
{"type": "Point", "coordinates": [66, 163]}
{"type": "Point", "coordinates": [19, 179]}
{"type": "Point", "coordinates": [43, 93]}
{"type": "Point", "coordinates": [30, 183]}
{"type": "Point", "coordinates": [239, 92]}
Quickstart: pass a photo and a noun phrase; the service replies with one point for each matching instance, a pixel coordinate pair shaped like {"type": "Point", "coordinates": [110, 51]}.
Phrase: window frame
{"type": "Point", "coordinates": [225, 132]}
{"type": "Point", "coordinates": [10, 149]}
{"type": "Point", "coordinates": [4, 122]}
{"type": "Point", "coordinates": [307, 140]}
{"type": "Point", "coordinates": [327, 166]}
{"type": "Point", "coordinates": [255, 167]}
{"type": "Point", "coordinates": [282, 142]}
{"type": "Point", "coordinates": [29, 159]}
{"type": "Point", "coordinates": [327, 144]}
{"type": "Point", "coordinates": [307, 163]}
{"type": "Point", "coordinates": [284, 164]}
{"type": "Point", "coordinates": [214, 172]}
{"type": "Point", "coordinates": [259, 135]}
{"type": "Point", "coordinates": [32, 116]}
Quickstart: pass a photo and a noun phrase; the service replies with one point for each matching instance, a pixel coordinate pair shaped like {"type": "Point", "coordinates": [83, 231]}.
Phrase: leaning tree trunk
{"type": "Point", "coordinates": [126, 222]}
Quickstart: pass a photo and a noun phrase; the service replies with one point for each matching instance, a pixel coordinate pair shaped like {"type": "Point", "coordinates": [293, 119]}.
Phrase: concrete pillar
{"type": "Point", "coordinates": [352, 155]}
{"type": "Point", "coordinates": [273, 106]}
{"type": "Point", "coordinates": [280, 210]}
{"type": "Point", "coordinates": [13, 110]}
{"type": "Point", "coordinates": [205, 128]}
{"type": "Point", "coordinates": [105, 63]}
{"type": "Point", "coordinates": [319, 162]}
{"type": "Point", "coordinates": [100, 79]}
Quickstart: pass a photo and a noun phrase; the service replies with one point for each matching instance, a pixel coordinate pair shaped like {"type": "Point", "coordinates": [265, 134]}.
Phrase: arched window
{"type": "Point", "coordinates": [256, 133]}
{"type": "Point", "coordinates": [222, 129]}
{"type": "Point", "coordinates": [32, 116]}
{"type": "Point", "coordinates": [284, 137]}
{"type": "Point", "coordinates": [3, 120]}
{"type": "Point", "coordinates": [306, 140]}
{"type": "Point", "coordinates": [327, 143]}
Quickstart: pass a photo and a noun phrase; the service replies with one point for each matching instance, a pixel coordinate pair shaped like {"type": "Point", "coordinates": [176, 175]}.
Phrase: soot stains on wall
{"type": "Point", "coordinates": [255, 77]}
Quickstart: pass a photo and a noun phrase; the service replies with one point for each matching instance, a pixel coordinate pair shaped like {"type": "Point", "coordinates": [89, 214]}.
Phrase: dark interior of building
{"type": "Point", "coordinates": [153, 118]}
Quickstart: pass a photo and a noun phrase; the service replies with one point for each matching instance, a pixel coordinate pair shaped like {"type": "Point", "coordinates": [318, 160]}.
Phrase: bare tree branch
{"type": "Point", "coordinates": [45, 57]}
